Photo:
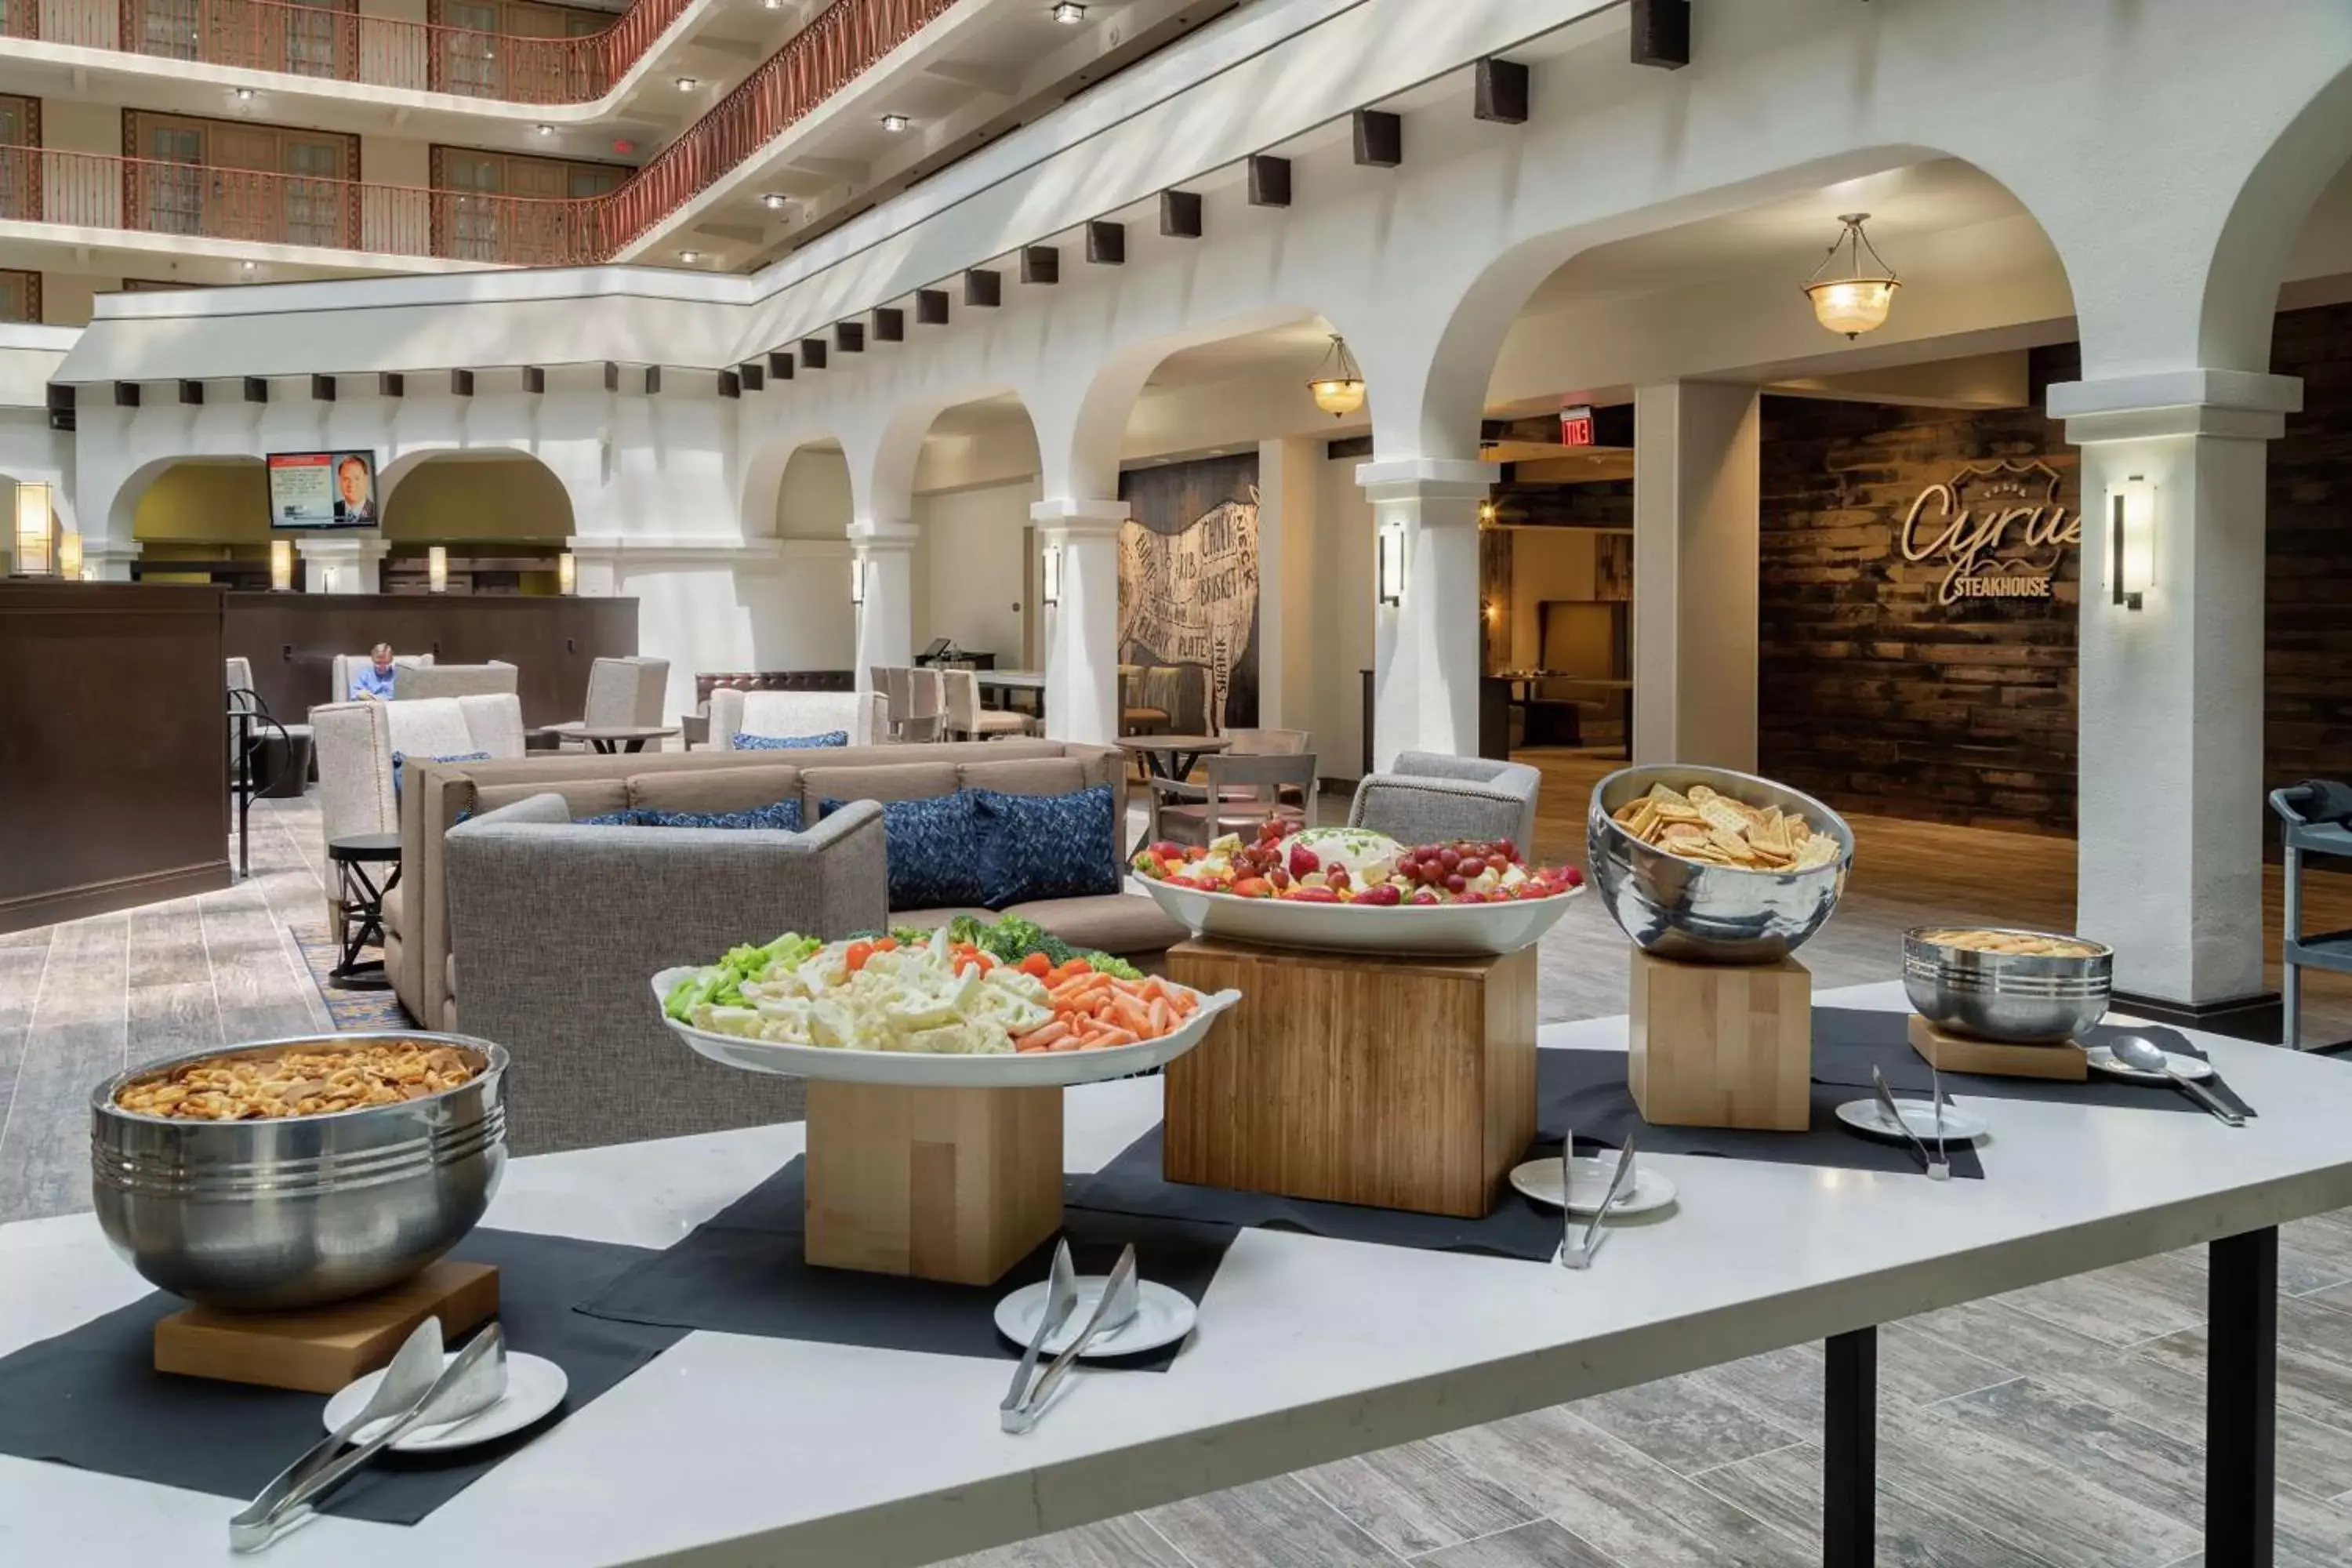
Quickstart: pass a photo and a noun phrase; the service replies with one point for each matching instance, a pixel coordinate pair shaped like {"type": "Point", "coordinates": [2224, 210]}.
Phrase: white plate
{"type": "Point", "coordinates": [2101, 1057]}
{"type": "Point", "coordinates": [1031, 1069]}
{"type": "Point", "coordinates": [1432, 929]}
{"type": "Point", "coordinates": [535, 1385]}
{"type": "Point", "coordinates": [1588, 1183]}
{"type": "Point", "coordinates": [1162, 1316]}
{"type": "Point", "coordinates": [1864, 1116]}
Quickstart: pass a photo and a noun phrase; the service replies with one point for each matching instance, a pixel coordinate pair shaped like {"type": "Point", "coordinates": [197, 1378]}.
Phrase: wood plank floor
{"type": "Point", "coordinates": [2055, 1427]}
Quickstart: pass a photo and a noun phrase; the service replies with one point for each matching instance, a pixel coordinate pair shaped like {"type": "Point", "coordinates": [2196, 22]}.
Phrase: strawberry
{"type": "Point", "coordinates": [1303, 862]}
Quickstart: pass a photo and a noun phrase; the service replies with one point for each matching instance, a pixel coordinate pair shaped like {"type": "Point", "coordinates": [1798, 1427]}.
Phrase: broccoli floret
{"type": "Point", "coordinates": [1115, 967]}
{"type": "Point", "coordinates": [1013, 939]}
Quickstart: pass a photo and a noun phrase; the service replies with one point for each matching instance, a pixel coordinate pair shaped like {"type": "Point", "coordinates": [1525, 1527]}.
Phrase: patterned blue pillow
{"type": "Point", "coordinates": [400, 758]}
{"type": "Point", "coordinates": [625, 817]}
{"type": "Point", "coordinates": [931, 848]}
{"type": "Point", "coordinates": [784, 817]}
{"type": "Point", "coordinates": [1045, 845]}
{"type": "Point", "coordinates": [743, 743]}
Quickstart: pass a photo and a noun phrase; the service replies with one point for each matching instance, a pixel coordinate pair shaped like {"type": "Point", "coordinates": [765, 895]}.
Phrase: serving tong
{"type": "Point", "coordinates": [1024, 1401]}
{"type": "Point", "coordinates": [1939, 1168]}
{"type": "Point", "coordinates": [1575, 1253]}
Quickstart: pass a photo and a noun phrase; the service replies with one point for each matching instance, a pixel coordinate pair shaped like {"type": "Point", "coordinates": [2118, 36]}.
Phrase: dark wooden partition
{"type": "Point", "coordinates": [113, 747]}
{"type": "Point", "coordinates": [292, 640]}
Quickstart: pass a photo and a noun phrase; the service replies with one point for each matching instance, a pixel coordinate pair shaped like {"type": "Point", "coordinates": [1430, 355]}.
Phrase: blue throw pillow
{"type": "Point", "coordinates": [783, 816]}
{"type": "Point", "coordinates": [931, 848]}
{"type": "Point", "coordinates": [625, 817]}
{"type": "Point", "coordinates": [400, 758]}
{"type": "Point", "coordinates": [1045, 845]}
{"type": "Point", "coordinates": [743, 743]}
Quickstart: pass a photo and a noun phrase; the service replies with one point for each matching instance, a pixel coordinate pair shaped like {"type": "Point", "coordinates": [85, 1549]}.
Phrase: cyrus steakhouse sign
{"type": "Point", "coordinates": [1996, 528]}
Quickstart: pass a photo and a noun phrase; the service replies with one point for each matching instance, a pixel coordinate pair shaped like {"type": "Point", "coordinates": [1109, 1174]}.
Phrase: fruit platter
{"type": "Point", "coordinates": [1350, 890]}
{"type": "Point", "coordinates": [971, 1005]}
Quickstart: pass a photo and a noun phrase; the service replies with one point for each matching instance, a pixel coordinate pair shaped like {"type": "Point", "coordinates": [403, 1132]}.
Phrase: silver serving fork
{"type": "Point", "coordinates": [1579, 1254]}
{"type": "Point", "coordinates": [1061, 1300]}
{"type": "Point", "coordinates": [1117, 1306]}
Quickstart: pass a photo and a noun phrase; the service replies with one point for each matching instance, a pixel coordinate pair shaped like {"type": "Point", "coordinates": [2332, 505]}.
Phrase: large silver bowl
{"type": "Point", "coordinates": [1709, 914]}
{"type": "Point", "coordinates": [2022, 999]}
{"type": "Point", "coordinates": [263, 1216]}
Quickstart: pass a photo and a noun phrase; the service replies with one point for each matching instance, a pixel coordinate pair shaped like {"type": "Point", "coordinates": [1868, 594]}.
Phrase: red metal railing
{"type": "Point", "coordinates": [324, 40]}
{"type": "Point", "coordinates": [93, 191]}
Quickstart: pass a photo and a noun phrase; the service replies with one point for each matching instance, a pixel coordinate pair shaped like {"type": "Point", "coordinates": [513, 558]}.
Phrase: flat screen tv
{"type": "Point", "coordinates": [322, 489]}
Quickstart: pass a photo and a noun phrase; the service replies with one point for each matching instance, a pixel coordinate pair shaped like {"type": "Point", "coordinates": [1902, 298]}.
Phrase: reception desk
{"type": "Point", "coordinates": [113, 747]}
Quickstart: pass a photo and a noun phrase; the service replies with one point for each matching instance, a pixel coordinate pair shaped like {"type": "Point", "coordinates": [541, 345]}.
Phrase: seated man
{"type": "Point", "coordinates": [375, 678]}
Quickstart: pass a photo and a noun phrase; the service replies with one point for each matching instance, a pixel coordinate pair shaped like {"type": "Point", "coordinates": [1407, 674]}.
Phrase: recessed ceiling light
{"type": "Point", "coordinates": [1069, 13]}
{"type": "Point", "coordinates": [686, 84]}
{"type": "Point", "coordinates": [689, 257]}
{"type": "Point", "coordinates": [775, 201]}
{"type": "Point", "coordinates": [245, 95]}
{"type": "Point", "coordinates": [545, 129]}
{"type": "Point", "coordinates": [774, 5]}
{"type": "Point", "coordinates": [245, 266]}
{"type": "Point", "coordinates": [895, 123]}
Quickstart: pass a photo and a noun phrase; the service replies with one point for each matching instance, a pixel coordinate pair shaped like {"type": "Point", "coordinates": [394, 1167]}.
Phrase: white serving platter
{"type": "Point", "coordinates": [1033, 1069]}
{"type": "Point", "coordinates": [1434, 930]}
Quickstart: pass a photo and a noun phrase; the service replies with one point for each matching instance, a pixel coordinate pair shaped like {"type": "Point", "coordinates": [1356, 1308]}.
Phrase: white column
{"type": "Point", "coordinates": [1288, 654]}
{"type": "Point", "coordinates": [595, 565]}
{"type": "Point", "coordinates": [104, 560]}
{"type": "Point", "coordinates": [886, 621]}
{"type": "Point", "coordinates": [2170, 807]}
{"type": "Point", "coordinates": [1696, 496]}
{"type": "Point", "coordinates": [1082, 626]}
{"type": "Point", "coordinates": [1426, 646]}
{"type": "Point", "coordinates": [343, 562]}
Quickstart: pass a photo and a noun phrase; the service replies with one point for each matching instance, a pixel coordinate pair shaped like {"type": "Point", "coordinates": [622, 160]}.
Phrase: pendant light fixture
{"type": "Point", "coordinates": [1856, 302]}
{"type": "Point", "coordinates": [1339, 384]}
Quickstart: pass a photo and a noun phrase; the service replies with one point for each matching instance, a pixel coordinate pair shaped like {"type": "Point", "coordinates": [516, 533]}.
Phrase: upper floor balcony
{"type": "Point", "coordinates": [568, 56]}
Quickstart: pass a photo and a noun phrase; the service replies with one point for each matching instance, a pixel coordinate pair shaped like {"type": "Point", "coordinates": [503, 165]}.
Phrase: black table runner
{"type": "Point", "coordinates": [1849, 1041]}
{"type": "Point", "coordinates": [741, 1273]}
{"type": "Point", "coordinates": [91, 1398]}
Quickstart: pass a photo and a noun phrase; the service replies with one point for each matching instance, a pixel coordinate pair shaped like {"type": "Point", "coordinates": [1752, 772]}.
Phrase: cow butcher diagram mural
{"type": "Point", "coordinates": [1188, 585]}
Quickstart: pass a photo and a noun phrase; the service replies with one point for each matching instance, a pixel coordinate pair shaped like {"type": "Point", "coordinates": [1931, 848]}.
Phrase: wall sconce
{"type": "Point", "coordinates": [70, 555]}
{"type": "Point", "coordinates": [1858, 301]}
{"type": "Point", "coordinates": [1339, 384]}
{"type": "Point", "coordinates": [34, 557]}
{"type": "Point", "coordinates": [2131, 543]}
{"type": "Point", "coordinates": [281, 565]}
{"type": "Point", "coordinates": [567, 574]}
{"type": "Point", "coordinates": [1053, 568]}
{"type": "Point", "coordinates": [436, 569]}
{"type": "Point", "coordinates": [1391, 565]}
{"type": "Point", "coordinates": [858, 581]}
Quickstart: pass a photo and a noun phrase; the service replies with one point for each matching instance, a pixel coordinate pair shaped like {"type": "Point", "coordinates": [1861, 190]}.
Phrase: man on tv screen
{"type": "Point", "coordinates": [354, 490]}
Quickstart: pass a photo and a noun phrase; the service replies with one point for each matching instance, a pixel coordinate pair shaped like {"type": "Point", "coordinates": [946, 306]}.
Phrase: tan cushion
{"type": "Point", "coordinates": [586, 797]}
{"type": "Point", "coordinates": [1041, 776]}
{"type": "Point", "coordinates": [393, 898]}
{"type": "Point", "coordinates": [899, 781]}
{"type": "Point", "coordinates": [1116, 922]}
{"type": "Point", "coordinates": [931, 920]}
{"type": "Point", "coordinates": [715, 789]}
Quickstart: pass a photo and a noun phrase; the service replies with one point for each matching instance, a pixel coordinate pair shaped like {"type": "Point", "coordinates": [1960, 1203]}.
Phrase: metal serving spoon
{"type": "Point", "coordinates": [2144, 1055]}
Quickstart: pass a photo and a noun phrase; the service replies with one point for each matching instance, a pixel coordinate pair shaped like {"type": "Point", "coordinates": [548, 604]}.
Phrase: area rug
{"type": "Point", "coordinates": [348, 1009]}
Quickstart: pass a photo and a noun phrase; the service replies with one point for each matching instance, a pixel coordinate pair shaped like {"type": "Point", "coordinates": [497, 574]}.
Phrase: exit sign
{"type": "Point", "coordinates": [1576, 424]}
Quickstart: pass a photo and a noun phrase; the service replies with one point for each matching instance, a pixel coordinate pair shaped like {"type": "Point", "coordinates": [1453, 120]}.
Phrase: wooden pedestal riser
{"type": "Point", "coordinates": [1722, 1045]}
{"type": "Point", "coordinates": [1403, 1083]}
{"type": "Point", "coordinates": [940, 1183]}
{"type": "Point", "coordinates": [320, 1348]}
{"type": "Point", "coordinates": [1949, 1051]}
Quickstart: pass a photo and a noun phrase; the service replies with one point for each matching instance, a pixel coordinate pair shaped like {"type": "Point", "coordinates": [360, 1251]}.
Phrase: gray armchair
{"type": "Point", "coordinates": [1427, 798]}
{"type": "Point", "coordinates": [556, 931]}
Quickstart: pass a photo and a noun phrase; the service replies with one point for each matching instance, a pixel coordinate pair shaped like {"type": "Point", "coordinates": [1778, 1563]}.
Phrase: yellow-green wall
{"type": "Point", "coordinates": [457, 499]}
{"type": "Point", "coordinates": [217, 503]}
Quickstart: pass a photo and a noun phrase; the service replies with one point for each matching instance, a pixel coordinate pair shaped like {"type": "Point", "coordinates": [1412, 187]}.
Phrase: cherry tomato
{"type": "Point", "coordinates": [859, 952]}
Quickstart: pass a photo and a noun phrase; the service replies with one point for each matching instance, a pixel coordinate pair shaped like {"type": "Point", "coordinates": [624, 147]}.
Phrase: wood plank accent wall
{"type": "Point", "coordinates": [1872, 695]}
{"type": "Point", "coordinates": [114, 751]}
{"type": "Point", "coordinates": [2307, 671]}
{"type": "Point", "coordinates": [292, 640]}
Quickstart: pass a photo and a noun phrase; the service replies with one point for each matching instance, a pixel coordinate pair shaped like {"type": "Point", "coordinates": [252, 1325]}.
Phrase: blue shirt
{"type": "Point", "coordinates": [368, 683]}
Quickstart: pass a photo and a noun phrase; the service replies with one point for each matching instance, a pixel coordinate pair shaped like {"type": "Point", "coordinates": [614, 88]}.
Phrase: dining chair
{"type": "Point", "coordinates": [896, 683]}
{"type": "Point", "coordinates": [966, 719]}
{"type": "Point", "coordinates": [1271, 743]}
{"type": "Point", "coordinates": [1241, 791]}
{"type": "Point", "coordinates": [924, 716]}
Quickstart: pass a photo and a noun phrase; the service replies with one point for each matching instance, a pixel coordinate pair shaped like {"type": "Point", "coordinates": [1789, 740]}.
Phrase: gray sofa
{"type": "Point", "coordinates": [1427, 797]}
{"type": "Point", "coordinates": [559, 929]}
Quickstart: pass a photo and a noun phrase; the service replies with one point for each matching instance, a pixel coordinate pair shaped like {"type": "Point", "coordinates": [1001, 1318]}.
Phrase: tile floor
{"type": "Point", "coordinates": [2056, 1427]}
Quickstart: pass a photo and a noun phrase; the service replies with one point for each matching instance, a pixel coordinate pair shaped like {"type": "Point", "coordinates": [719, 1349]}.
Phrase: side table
{"type": "Point", "coordinates": [362, 899]}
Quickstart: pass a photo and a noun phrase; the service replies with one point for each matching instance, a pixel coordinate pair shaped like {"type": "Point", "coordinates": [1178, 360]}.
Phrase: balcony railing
{"type": "Point", "coordinates": [88, 190]}
{"type": "Point", "coordinates": [317, 40]}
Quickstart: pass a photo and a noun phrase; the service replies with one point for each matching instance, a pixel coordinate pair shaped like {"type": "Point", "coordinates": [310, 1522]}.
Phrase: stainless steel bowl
{"type": "Point", "coordinates": [1709, 914]}
{"type": "Point", "coordinates": [2022, 999]}
{"type": "Point", "coordinates": [261, 1215]}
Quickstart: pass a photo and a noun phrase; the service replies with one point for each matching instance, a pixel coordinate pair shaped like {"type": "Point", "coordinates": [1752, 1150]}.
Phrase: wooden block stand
{"type": "Point", "coordinates": [1403, 1083]}
{"type": "Point", "coordinates": [1950, 1051]}
{"type": "Point", "coordinates": [940, 1183]}
{"type": "Point", "coordinates": [320, 1348]}
{"type": "Point", "coordinates": [1722, 1045]}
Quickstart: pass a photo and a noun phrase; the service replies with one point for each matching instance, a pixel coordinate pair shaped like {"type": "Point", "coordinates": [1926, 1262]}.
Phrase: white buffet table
{"type": "Point", "coordinates": [740, 1450]}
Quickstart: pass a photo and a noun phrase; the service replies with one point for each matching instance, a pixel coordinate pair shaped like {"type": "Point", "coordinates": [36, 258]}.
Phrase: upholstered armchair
{"type": "Point", "coordinates": [347, 665]}
{"type": "Point", "coordinates": [354, 744]}
{"type": "Point", "coordinates": [781, 714]}
{"type": "Point", "coordinates": [556, 928]}
{"type": "Point", "coordinates": [1426, 798]}
{"type": "Point", "coordinates": [419, 682]}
